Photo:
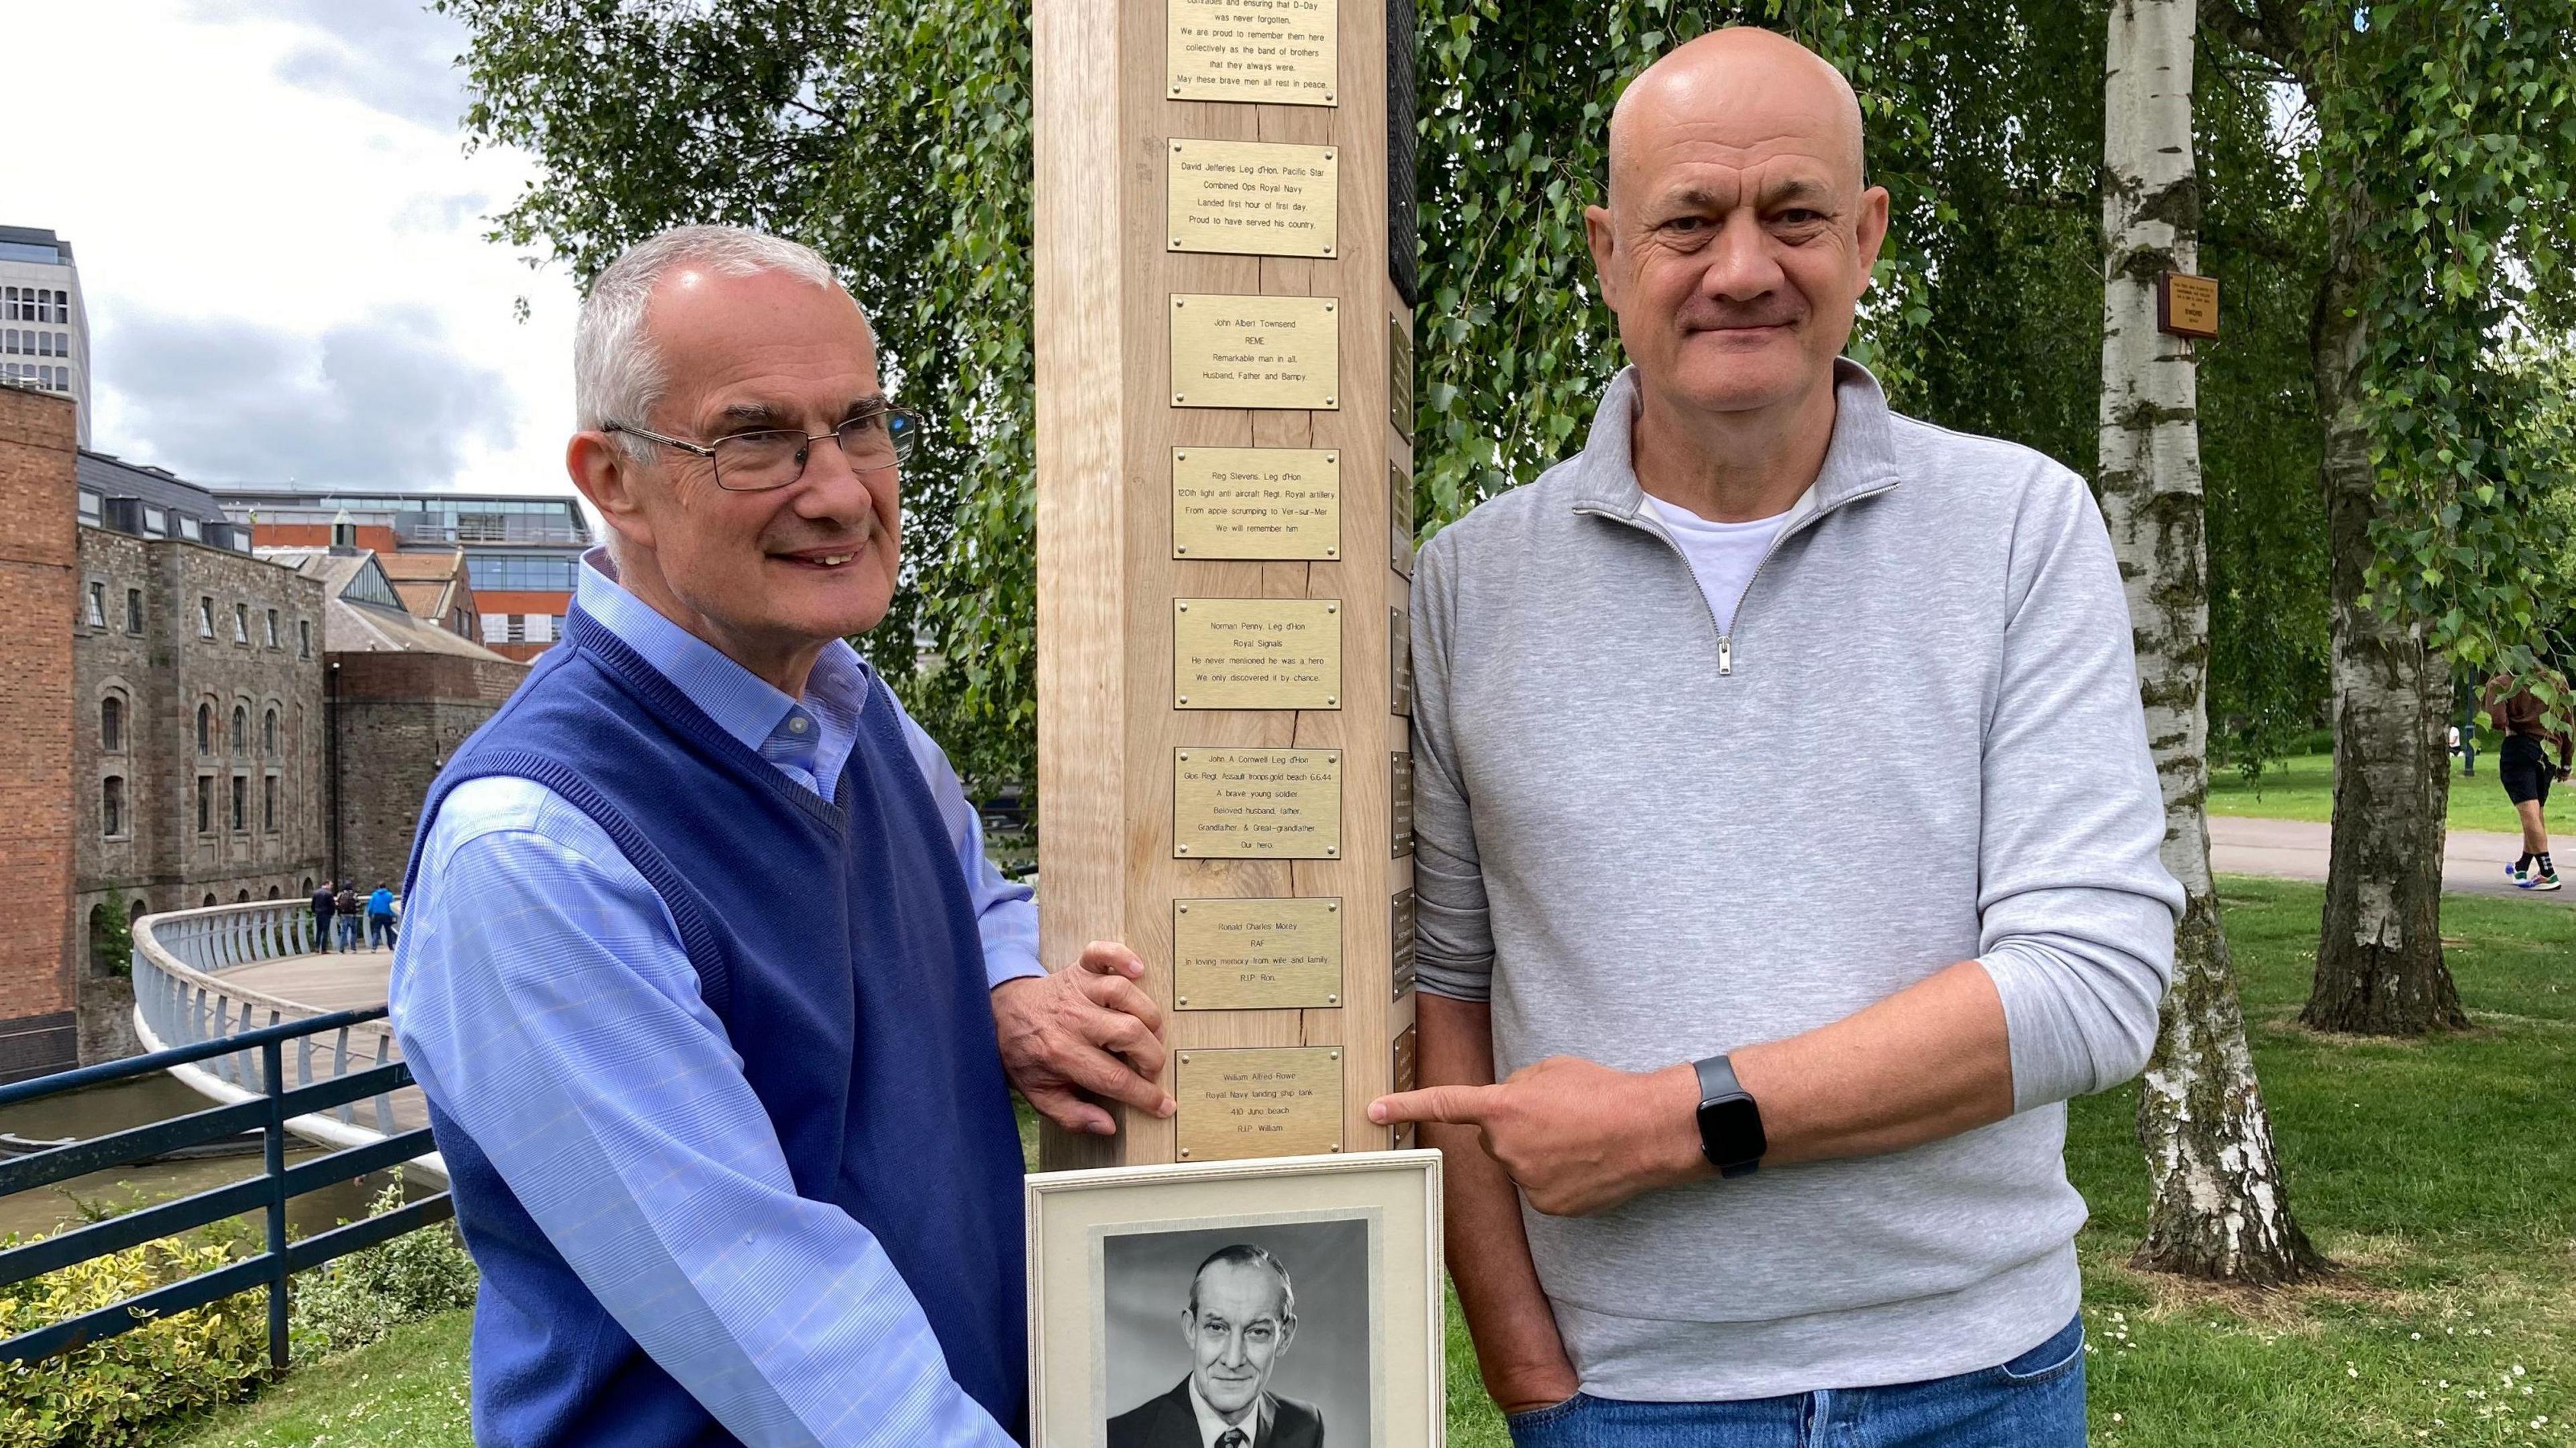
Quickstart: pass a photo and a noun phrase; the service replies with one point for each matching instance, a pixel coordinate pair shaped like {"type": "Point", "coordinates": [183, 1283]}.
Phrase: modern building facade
{"type": "Point", "coordinates": [521, 552]}
{"type": "Point", "coordinates": [44, 328]}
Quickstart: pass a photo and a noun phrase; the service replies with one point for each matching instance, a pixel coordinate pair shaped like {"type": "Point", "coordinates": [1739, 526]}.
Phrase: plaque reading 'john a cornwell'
{"type": "Point", "coordinates": [1250, 955]}
{"type": "Point", "coordinates": [1256, 502]}
{"type": "Point", "coordinates": [1256, 804]}
{"type": "Point", "coordinates": [1252, 198]}
{"type": "Point", "coordinates": [1281, 51]}
{"type": "Point", "coordinates": [1256, 653]}
{"type": "Point", "coordinates": [1244, 351]}
{"type": "Point", "coordinates": [1399, 804]}
{"type": "Point", "coordinates": [1265, 1101]}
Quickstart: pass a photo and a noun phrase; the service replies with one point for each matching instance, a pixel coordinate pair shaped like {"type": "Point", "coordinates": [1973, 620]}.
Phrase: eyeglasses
{"type": "Point", "coordinates": [755, 462]}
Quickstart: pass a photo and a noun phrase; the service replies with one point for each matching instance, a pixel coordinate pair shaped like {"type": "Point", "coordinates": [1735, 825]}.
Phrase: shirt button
{"type": "Point", "coordinates": [796, 724]}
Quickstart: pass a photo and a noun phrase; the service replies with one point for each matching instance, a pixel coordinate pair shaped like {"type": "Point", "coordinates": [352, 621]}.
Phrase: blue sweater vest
{"type": "Point", "coordinates": [837, 945]}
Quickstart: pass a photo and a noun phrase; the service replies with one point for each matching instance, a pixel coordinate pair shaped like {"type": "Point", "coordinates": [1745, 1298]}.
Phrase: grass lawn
{"type": "Point", "coordinates": [2301, 787]}
{"type": "Point", "coordinates": [2440, 1175]}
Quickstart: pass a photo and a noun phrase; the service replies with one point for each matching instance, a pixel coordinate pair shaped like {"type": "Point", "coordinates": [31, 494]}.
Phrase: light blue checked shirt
{"type": "Point", "coordinates": [542, 996]}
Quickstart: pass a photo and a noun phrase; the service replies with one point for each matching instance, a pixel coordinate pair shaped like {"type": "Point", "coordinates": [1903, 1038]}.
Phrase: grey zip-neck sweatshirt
{"type": "Point", "coordinates": [1646, 843]}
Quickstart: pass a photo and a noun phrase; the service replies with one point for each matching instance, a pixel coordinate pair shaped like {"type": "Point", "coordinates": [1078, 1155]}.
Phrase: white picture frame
{"type": "Point", "coordinates": [1110, 1264]}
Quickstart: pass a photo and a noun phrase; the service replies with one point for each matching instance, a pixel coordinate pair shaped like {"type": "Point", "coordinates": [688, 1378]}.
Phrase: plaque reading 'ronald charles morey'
{"type": "Point", "coordinates": [1261, 954]}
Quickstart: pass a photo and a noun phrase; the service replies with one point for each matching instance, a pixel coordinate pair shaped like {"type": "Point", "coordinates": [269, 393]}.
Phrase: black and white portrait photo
{"type": "Point", "coordinates": [1238, 1337]}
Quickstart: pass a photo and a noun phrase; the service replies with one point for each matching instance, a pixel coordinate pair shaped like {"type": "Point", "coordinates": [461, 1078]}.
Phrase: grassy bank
{"type": "Point", "coordinates": [2440, 1175]}
{"type": "Point", "coordinates": [2302, 788]}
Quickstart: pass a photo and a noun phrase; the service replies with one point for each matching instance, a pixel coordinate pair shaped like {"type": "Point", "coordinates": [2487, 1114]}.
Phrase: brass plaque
{"type": "Point", "coordinates": [1251, 198]}
{"type": "Point", "coordinates": [1399, 375]}
{"type": "Point", "coordinates": [1254, 955]}
{"type": "Point", "coordinates": [1256, 653]}
{"type": "Point", "coordinates": [1403, 1074]}
{"type": "Point", "coordinates": [1256, 502]}
{"type": "Point", "coordinates": [1399, 804]}
{"type": "Point", "coordinates": [1281, 51]}
{"type": "Point", "coordinates": [1400, 939]}
{"type": "Point", "coordinates": [2187, 306]}
{"type": "Point", "coordinates": [1242, 351]}
{"type": "Point", "coordinates": [1399, 517]}
{"type": "Point", "coordinates": [1262, 1101]}
{"type": "Point", "coordinates": [1256, 804]}
{"type": "Point", "coordinates": [1399, 663]}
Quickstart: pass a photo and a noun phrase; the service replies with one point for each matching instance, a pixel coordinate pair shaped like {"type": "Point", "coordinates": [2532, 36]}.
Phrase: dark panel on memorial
{"type": "Point", "coordinates": [1402, 233]}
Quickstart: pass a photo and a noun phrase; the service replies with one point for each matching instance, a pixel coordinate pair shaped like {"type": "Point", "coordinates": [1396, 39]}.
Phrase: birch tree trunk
{"type": "Point", "coordinates": [2219, 1210]}
{"type": "Point", "coordinates": [2379, 950]}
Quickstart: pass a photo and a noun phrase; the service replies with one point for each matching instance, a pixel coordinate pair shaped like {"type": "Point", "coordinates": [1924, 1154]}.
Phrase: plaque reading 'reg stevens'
{"type": "Point", "coordinates": [1283, 51]}
{"type": "Point", "coordinates": [1244, 351]}
{"type": "Point", "coordinates": [1256, 502]}
{"type": "Point", "coordinates": [1256, 653]}
{"type": "Point", "coordinates": [1265, 1101]}
{"type": "Point", "coordinates": [1256, 804]}
{"type": "Point", "coordinates": [1238, 955]}
{"type": "Point", "coordinates": [1253, 198]}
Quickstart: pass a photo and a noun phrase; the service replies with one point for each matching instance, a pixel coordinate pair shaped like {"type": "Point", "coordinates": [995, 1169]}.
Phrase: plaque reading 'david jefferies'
{"type": "Point", "coordinates": [1399, 664]}
{"type": "Point", "coordinates": [1251, 198]}
{"type": "Point", "coordinates": [1256, 502]}
{"type": "Point", "coordinates": [1256, 804]}
{"type": "Point", "coordinates": [1403, 1073]}
{"type": "Point", "coordinates": [1399, 375]}
{"type": "Point", "coordinates": [1400, 941]}
{"type": "Point", "coordinates": [1256, 653]}
{"type": "Point", "coordinates": [1244, 351]}
{"type": "Point", "coordinates": [1399, 519]}
{"type": "Point", "coordinates": [1283, 51]}
{"type": "Point", "coordinates": [1399, 804]}
{"type": "Point", "coordinates": [1252, 955]}
{"type": "Point", "coordinates": [1263, 1101]}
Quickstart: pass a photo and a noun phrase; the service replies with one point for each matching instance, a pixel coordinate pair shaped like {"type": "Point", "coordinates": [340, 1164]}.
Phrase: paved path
{"type": "Point", "coordinates": [336, 983]}
{"type": "Point", "coordinates": [2472, 861]}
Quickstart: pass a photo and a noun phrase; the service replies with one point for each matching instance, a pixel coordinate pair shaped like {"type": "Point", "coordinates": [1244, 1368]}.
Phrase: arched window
{"type": "Point", "coordinates": [241, 731]}
{"type": "Point", "coordinates": [242, 899]}
{"type": "Point", "coordinates": [133, 913]}
{"type": "Point", "coordinates": [273, 892]}
{"type": "Point", "coordinates": [205, 728]}
{"type": "Point", "coordinates": [268, 734]}
{"type": "Point", "coordinates": [210, 897]}
{"type": "Point", "coordinates": [308, 884]}
{"type": "Point", "coordinates": [101, 947]}
{"type": "Point", "coordinates": [111, 806]}
{"type": "Point", "coordinates": [111, 725]}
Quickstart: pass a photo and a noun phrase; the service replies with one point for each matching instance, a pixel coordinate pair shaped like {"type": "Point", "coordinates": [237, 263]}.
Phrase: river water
{"type": "Point", "coordinates": [140, 1102]}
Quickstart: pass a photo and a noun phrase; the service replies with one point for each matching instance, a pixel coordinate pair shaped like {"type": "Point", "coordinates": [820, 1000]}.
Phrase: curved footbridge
{"type": "Point", "coordinates": [202, 975]}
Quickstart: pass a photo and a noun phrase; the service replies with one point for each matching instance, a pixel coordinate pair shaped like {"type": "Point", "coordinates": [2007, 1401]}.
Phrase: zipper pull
{"type": "Point", "coordinates": [1725, 655]}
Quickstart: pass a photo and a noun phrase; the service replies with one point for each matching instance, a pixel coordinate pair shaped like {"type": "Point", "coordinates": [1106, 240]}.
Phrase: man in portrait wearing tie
{"type": "Point", "coordinates": [1241, 1316]}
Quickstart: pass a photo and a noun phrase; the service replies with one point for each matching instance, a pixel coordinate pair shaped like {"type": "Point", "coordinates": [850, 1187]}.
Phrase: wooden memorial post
{"type": "Point", "coordinates": [1224, 373]}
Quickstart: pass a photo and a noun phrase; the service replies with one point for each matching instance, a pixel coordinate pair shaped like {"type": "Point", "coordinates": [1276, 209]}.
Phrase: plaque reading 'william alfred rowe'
{"type": "Point", "coordinates": [1256, 804]}
{"type": "Point", "coordinates": [1242, 351]}
{"type": "Point", "coordinates": [1399, 804]}
{"type": "Point", "coordinates": [1251, 198]}
{"type": "Point", "coordinates": [1281, 51]}
{"type": "Point", "coordinates": [1265, 1101]}
{"type": "Point", "coordinates": [1256, 502]}
{"type": "Point", "coordinates": [1400, 940]}
{"type": "Point", "coordinates": [1399, 519]}
{"type": "Point", "coordinates": [1251, 955]}
{"type": "Point", "coordinates": [1256, 653]}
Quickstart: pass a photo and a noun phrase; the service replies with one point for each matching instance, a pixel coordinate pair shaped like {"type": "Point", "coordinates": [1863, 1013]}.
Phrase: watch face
{"type": "Point", "coordinates": [1730, 1130]}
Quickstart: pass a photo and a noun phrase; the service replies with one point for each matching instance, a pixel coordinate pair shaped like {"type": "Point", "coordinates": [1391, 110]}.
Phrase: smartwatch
{"type": "Point", "coordinates": [1730, 1125]}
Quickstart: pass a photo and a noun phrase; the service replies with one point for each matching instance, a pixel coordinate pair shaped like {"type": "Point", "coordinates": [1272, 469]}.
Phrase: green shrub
{"type": "Point", "coordinates": [109, 1393]}
{"type": "Point", "coordinates": [361, 1297]}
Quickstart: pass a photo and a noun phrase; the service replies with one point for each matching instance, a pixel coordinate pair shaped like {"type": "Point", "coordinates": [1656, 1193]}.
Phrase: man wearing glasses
{"type": "Point", "coordinates": [712, 993]}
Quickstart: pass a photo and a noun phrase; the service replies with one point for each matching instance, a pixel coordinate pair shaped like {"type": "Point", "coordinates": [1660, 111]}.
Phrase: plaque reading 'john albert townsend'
{"type": "Point", "coordinates": [1249, 351]}
{"type": "Point", "coordinates": [1281, 51]}
{"type": "Point", "coordinates": [1256, 804]}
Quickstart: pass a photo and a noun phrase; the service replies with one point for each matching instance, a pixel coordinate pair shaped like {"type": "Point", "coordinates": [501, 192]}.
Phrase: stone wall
{"type": "Point", "coordinates": [37, 596]}
{"type": "Point", "coordinates": [402, 717]}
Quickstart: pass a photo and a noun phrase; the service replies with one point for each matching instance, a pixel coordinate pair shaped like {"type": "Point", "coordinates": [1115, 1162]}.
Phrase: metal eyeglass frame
{"type": "Point", "coordinates": [902, 441]}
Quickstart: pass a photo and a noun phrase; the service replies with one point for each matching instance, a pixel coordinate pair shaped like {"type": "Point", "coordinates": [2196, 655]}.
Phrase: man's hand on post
{"type": "Point", "coordinates": [1576, 1136]}
{"type": "Point", "coordinates": [1084, 1028]}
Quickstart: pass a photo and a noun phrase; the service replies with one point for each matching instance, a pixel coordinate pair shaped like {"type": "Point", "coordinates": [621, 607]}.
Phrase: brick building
{"type": "Point", "coordinates": [39, 560]}
{"type": "Point", "coordinates": [404, 692]}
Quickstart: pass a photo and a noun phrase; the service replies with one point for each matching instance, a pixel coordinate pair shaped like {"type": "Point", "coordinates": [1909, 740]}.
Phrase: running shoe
{"type": "Point", "coordinates": [2545, 882]}
{"type": "Point", "coordinates": [2518, 876]}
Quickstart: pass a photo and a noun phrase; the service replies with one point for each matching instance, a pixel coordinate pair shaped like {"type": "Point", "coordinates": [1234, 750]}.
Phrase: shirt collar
{"type": "Point", "coordinates": [1861, 458]}
{"type": "Point", "coordinates": [742, 703]}
{"type": "Point", "coordinates": [1212, 1426]}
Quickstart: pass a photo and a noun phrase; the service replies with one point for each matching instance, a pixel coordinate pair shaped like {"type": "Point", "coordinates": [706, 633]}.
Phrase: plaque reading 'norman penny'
{"type": "Point", "coordinates": [1399, 804]}
{"type": "Point", "coordinates": [1265, 1101]}
{"type": "Point", "coordinates": [1282, 51]}
{"type": "Point", "coordinates": [1251, 198]}
{"type": "Point", "coordinates": [1399, 936]}
{"type": "Point", "coordinates": [1399, 517]}
{"type": "Point", "coordinates": [1240, 351]}
{"type": "Point", "coordinates": [1250, 955]}
{"type": "Point", "coordinates": [1256, 653]}
{"type": "Point", "coordinates": [1399, 664]}
{"type": "Point", "coordinates": [1256, 804]}
{"type": "Point", "coordinates": [1256, 502]}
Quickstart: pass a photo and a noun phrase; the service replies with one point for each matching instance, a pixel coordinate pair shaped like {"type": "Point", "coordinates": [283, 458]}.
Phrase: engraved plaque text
{"type": "Point", "coordinates": [1399, 518]}
{"type": "Point", "coordinates": [1283, 51]}
{"type": "Point", "coordinates": [1399, 664]}
{"type": "Point", "coordinates": [1250, 955]}
{"type": "Point", "coordinates": [1251, 198]}
{"type": "Point", "coordinates": [1399, 375]}
{"type": "Point", "coordinates": [1404, 1074]}
{"type": "Point", "coordinates": [1256, 804]}
{"type": "Point", "coordinates": [1264, 1101]}
{"type": "Point", "coordinates": [1399, 804]}
{"type": "Point", "coordinates": [1256, 502]}
{"type": "Point", "coordinates": [1256, 653]}
{"type": "Point", "coordinates": [1400, 943]}
{"type": "Point", "coordinates": [1243, 351]}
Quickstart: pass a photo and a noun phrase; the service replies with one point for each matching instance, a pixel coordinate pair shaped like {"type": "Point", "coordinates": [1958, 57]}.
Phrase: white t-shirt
{"type": "Point", "coordinates": [1722, 555]}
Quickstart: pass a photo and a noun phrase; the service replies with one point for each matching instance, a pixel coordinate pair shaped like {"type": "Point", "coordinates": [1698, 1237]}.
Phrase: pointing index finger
{"type": "Point", "coordinates": [1453, 1105]}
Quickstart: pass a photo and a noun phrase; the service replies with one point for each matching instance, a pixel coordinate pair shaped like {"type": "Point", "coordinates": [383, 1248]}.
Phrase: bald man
{"type": "Point", "coordinates": [1785, 845]}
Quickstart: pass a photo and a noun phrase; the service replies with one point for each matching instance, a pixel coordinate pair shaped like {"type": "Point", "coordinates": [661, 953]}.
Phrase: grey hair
{"type": "Point", "coordinates": [1244, 1254]}
{"type": "Point", "coordinates": [616, 373]}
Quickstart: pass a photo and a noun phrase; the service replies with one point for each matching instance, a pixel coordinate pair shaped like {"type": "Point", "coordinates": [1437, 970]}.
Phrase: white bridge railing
{"type": "Point", "coordinates": [181, 997]}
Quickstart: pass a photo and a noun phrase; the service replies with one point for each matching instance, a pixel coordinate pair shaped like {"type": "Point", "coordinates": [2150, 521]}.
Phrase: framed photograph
{"type": "Point", "coordinates": [1293, 1301]}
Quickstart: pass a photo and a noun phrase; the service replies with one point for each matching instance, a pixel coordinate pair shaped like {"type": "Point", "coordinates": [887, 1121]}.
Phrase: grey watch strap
{"type": "Point", "coordinates": [1717, 1079]}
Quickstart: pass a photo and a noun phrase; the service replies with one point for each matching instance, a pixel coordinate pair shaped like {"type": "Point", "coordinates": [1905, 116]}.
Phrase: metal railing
{"type": "Point", "coordinates": [267, 1111]}
{"type": "Point", "coordinates": [181, 999]}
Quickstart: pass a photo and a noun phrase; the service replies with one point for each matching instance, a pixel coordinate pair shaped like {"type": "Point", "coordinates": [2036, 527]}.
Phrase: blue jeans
{"type": "Point", "coordinates": [349, 933]}
{"type": "Point", "coordinates": [380, 932]}
{"type": "Point", "coordinates": [2034, 1401]}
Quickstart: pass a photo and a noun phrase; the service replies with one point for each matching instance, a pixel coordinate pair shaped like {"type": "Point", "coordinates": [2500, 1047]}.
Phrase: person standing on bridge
{"type": "Point", "coordinates": [2523, 766]}
{"type": "Point", "coordinates": [352, 928]}
{"type": "Point", "coordinates": [736, 1169]}
{"type": "Point", "coordinates": [380, 919]}
{"type": "Point", "coordinates": [326, 903]}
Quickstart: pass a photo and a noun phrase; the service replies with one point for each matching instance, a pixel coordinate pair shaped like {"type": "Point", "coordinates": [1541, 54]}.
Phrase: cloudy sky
{"type": "Point", "coordinates": [280, 242]}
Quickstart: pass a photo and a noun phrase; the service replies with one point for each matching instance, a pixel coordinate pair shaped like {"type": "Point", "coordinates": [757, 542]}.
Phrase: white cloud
{"type": "Point", "coordinates": [280, 242]}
